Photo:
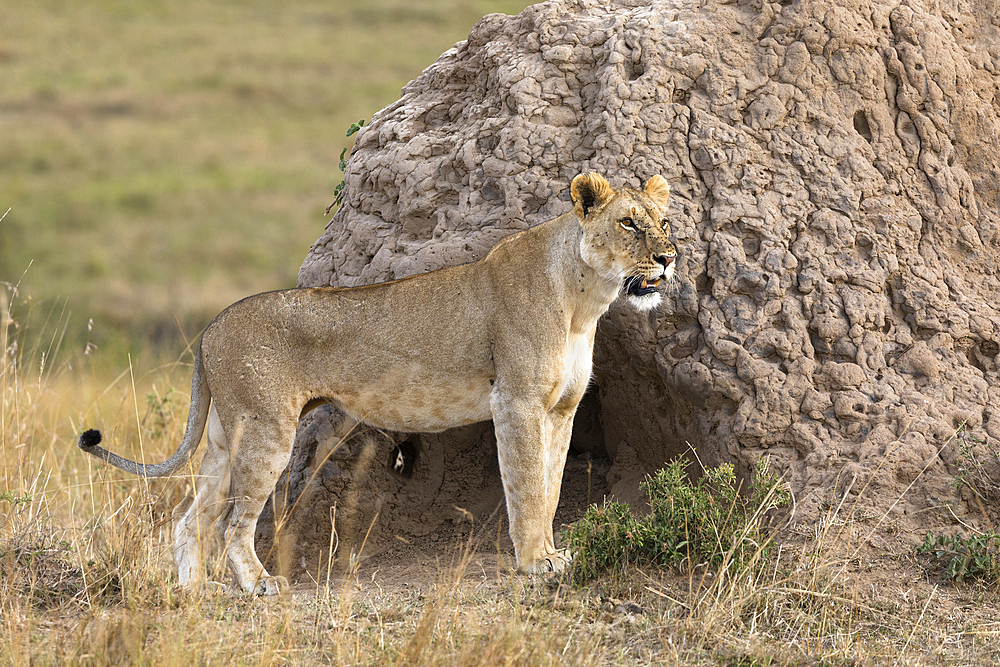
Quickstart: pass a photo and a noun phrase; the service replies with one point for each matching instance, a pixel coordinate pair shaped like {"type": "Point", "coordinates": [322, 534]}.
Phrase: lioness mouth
{"type": "Point", "coordinates": [639, 286]}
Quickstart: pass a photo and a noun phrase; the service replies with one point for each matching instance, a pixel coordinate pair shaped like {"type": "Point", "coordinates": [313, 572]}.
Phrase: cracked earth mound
{"type": "Point", "coordinates": [834, 169]}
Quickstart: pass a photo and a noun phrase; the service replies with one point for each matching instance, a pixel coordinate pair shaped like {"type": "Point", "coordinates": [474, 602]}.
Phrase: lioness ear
{"type": "Point", "coordinates": [589, 191]}
{"type": "Point", "coordinates": [658, 190]}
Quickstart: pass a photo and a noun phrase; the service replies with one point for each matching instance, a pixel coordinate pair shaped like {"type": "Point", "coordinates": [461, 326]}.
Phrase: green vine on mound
{"type": "Point", "coordinates": [704, 522]}
{"type": "Point", "coordinates": [338, 192]}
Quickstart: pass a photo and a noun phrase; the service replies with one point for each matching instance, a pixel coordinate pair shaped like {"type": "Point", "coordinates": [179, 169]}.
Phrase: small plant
{"type": "Point", "coordinates": [976, 557]}
{"type": "Point", "coordinates": [338, 191]}
{"type": "Point", "coordinates": [698, 523]}
{"type": "Point", "coordinates": [15, 499]}
{"type": "Point", "coordinates": [159, 413]}
{"type": "Point", "coordinates": [978, 465]}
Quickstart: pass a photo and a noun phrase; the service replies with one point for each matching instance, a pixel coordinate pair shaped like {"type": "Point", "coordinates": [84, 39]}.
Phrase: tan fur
{"type": "Point", "coordinates": [508, 338]}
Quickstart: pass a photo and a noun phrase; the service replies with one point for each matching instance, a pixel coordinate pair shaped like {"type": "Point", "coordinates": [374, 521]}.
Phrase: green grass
{"type": "Point", "coordinates": [163, 159]}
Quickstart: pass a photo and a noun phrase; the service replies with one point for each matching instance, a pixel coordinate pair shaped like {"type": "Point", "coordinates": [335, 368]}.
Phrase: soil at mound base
{"type": "Point", "coordinates": [834, 169]}
{"type": "Point", "coordinates": [452, 493]}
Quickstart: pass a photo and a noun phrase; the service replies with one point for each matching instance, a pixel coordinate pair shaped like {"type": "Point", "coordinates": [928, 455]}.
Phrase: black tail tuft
{"type": "Point", "coordinates": [89, 439]}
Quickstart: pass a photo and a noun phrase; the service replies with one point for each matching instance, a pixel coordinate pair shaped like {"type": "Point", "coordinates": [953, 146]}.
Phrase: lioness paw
{"type": "Point", "coordinates": [271, 586]}
{"type": "Point", "coordinates": [552, 563]}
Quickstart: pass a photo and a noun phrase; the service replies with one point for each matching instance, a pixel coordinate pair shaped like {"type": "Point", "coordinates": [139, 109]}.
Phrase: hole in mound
{"type": "Point", "coordinates": [634, 69]}
{"type": "Point", "coordinates": [862, 127]}
{"type": "Point", "coordinates": [403, 456]}
{"type": "Point", "coordinates": [588, 432]}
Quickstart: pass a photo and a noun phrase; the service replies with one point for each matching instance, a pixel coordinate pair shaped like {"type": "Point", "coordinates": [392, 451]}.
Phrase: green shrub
{"type": "Point", "coordinates": [976, 557]}
{"type": "Point", "coordinates": [702, 522]}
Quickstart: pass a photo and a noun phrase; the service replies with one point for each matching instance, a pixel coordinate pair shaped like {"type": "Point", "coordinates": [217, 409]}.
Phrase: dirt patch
{"type": "Point", "coordinates": [834, 170]}
{"type": "Point", "coordinates": [447, 490]}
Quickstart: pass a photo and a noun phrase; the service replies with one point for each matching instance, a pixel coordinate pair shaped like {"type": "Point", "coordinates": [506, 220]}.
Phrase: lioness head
{"type": "Point", "coordinates": [626, 236]}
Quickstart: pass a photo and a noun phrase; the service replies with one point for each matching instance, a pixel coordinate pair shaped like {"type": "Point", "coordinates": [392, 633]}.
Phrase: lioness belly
{"type": "Point", "coordinates": [420, 408]}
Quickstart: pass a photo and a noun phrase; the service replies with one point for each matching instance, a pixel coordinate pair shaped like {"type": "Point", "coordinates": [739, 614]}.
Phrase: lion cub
{"type": "Point", "coordinates": [508, 338]}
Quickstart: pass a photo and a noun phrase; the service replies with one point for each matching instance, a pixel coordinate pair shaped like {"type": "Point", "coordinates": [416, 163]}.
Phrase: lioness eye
{"type": "Point", "coordinates": [628, 223]}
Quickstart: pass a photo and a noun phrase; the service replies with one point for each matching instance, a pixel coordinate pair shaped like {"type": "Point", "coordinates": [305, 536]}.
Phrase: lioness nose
{"type": "Point", "coordinates": [664, 260]}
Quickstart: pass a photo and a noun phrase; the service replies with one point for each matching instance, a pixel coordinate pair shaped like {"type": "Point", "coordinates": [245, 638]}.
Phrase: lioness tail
{"type": "Point", "coordinates": [89, 441]}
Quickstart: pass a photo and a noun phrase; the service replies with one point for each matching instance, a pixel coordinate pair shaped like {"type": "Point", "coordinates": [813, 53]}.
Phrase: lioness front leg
{"type": "Point", "coordinates": [561, 428]}
{"type": "Point", "coordinates": [525, 450]}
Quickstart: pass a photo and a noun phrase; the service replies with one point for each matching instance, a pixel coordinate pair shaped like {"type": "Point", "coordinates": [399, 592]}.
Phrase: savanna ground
{"type": "Point", "coordinates": [162, 160]}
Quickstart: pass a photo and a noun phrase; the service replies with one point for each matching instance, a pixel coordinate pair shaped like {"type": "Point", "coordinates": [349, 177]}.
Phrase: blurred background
{"type": "Point", "coordinates": [161, 160]}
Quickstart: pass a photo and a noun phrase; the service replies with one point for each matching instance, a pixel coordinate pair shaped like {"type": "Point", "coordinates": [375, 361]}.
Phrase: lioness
{"type": "Point", "coordinates": [509, 337]}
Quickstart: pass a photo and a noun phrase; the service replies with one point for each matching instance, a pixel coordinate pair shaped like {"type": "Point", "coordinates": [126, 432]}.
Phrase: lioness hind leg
{"type": "Point", "coordinates": [261, 456]}
{"type": "Point", "coordinates": [195, 530]}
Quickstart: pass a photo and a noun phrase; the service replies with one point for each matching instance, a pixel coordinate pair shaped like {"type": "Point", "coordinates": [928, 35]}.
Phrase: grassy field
{"type": "Point", "coordinates": [163, 159]}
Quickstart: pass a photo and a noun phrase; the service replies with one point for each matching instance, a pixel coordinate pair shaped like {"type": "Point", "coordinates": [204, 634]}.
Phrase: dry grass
{"type": "Point", "coordinates": [87, 579]}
